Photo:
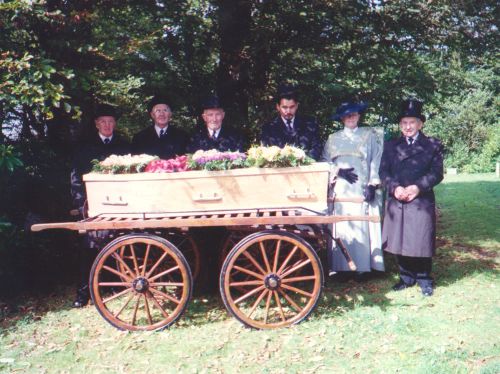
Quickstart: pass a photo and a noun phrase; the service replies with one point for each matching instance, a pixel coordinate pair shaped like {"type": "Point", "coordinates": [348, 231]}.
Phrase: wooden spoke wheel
{"type": "Point", "coordinates": [187, 245]}
{"type": "Point", "coordinates": [140, 282]}
{"type": "Point", "coordinates": [271, 279]}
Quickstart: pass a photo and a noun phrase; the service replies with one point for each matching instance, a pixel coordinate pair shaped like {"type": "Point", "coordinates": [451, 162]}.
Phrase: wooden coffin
{"type": "Point", "coordinates": [198, 191]}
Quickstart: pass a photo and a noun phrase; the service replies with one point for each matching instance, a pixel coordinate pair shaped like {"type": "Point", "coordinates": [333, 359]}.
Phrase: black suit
{"type": "Point", "coordinates": [409, 229]}
{"type": "Point", "coordinates": [172, 144]}
{"type": "Point", "coordinates": [228, 139]}
{"type": "Point", "coordinates": [92, 149]}
{"type": "Point", "coordinates": [305, 135]}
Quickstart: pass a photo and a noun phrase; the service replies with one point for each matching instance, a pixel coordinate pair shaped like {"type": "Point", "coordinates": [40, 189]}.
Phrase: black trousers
{"type": "Point", "coordinates": [415, 270]}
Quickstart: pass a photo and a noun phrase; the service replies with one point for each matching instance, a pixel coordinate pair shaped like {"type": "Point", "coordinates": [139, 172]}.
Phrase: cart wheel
{"type": "Point", "coordinates": [271, 279]}
{"type": "Point", "coordinates": [140, 282]}
{"type": "Point", "coordinates": [187, 245]}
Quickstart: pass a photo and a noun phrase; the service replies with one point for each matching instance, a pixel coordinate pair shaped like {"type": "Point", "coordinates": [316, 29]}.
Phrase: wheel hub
{"type": "Point", "coordinates": [272, 281]}
{"type": "Point", "coordinates": [140, 285]}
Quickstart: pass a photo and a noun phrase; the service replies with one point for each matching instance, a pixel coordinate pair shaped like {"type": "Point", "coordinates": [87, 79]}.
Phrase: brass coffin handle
{"type": "Point", "coordinates": [301, 195]}
{"type": "Point", "coordinates": [207, 197]}
{"type": "Point", "coordinates": [109, 201]}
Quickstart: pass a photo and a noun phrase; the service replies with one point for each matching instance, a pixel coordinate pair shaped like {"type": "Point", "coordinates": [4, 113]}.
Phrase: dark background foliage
{"type": "Point", "coordinates": [59, 58]}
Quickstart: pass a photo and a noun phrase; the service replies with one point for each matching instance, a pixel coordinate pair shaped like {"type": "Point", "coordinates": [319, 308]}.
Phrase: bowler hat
{"type": "Point", "coordinates": [347, 108]}
{"type": "Point", "coordinates": [106, 110]}
{"type": "Point", "coordinates": [211, 102]}
{"type": "Point", "coordinates": [158, 99]}
{"type": "Point", "coordinates": [411, 108]}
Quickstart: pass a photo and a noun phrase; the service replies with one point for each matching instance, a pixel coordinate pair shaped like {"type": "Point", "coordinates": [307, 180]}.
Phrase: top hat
{"type": "Point", "coordinates": [411, 108]}
{"type": "Point", "coordinates": [158, 99]}
{"type": "Point", "coordinates": [211, 102]}
{"type": "Point", "coordinates": [106, 110]}
{"type": "Point", "coordinates": [347, 108]}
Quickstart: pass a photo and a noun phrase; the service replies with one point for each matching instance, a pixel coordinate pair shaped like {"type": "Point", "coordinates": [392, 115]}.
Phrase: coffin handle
{"type": "Point", "coordinates": [301, 195]}
{"type": "Point", "coordinates": [118, 202]}
{"type": "Point", "coordinates": [208, 197]}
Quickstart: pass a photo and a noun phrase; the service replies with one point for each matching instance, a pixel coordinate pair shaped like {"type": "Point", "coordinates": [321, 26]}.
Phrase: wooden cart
{"type": "Point", "coordinates": [271, 277]}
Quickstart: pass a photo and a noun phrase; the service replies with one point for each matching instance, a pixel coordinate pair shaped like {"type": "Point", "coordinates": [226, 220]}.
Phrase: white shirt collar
{"type": "Point", "coordinates": [291, 123]}
{"type": "Point", "coordinates": [216, 134]}
{"type": "Point", "coordinates": [414, 137]}
{"type": "Point", "coordinates": [105, 137]}
{"type": "Point", "coordinates": [158, 129]}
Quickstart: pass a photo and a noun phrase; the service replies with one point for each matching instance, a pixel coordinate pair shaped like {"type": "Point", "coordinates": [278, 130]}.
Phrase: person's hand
{"type": "Point", "coordinates": [348, 174]}
{"type": "Point", "coordinates": [400, 193]}
{"type": "Point", "coordinates": [369, 193]}
{"type": "Point", "coordinates": [411, 192]}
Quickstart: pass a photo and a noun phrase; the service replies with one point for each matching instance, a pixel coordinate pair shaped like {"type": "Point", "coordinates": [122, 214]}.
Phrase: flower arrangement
{"type": "Point", "coordinates": [274, 156]}
{"type": "Point", "coordinates": [167, 166]}
{"type": "Point", "coordinates": [124, 164]}
{"type": "Point", "coordinates": [215, 160]}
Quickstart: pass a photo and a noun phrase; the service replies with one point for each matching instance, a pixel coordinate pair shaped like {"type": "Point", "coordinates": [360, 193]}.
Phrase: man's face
{"type": "Point", "coordinates": [351, 120]}
{"type": "Point", "coordinates": [213, 118]}
{"type": "Point", "coordinates": [410, 126]}
{"type": "Point", "coordinates": [105, 125]}
{"type": "Point", "coordinates": [287, 108]}
{"type": "Point", "coordinates": [161, 115]}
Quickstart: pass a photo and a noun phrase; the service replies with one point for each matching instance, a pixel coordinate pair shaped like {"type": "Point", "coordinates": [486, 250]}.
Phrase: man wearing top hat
{"type": "Point", "coordinates": [290, 128]}
{"type": "Point", "coordinates": [410, 168]}
{"type": "Point", "coordinates": [103, 143]}
{"type": "Point", "coordinates": [215, 135]}
{"type": "Point", "coordinates": [354, 154]}
{"type": "Point", "coordinates": [161, 138]}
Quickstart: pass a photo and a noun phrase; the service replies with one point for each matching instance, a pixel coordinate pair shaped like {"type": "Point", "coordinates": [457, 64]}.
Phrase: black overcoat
{"type": "Point", "coordinates": [172, 144]}
{"type": "Point", "coordinates": [92, 149]}
{"type": "Point", "coordinates": [228, 139]}
{"type": "Point", "coordinates": [409, 229]}
{"type": "Point", "coordinates": [305, 135]}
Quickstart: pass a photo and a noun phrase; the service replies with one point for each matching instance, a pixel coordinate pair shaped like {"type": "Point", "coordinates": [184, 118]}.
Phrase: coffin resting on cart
{"type": "Point", "coordinates": [200, 191]}
{"type": "Point", "coordinates": [270, 278]}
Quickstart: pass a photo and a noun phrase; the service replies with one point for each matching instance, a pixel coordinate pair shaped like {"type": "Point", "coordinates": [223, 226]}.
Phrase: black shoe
{"type": "Point", "coordinates": [82, 297]}
{"type": "Point", "coordinates": [400, 286]}
{"type": "Point", "coordinates": [427, 290]}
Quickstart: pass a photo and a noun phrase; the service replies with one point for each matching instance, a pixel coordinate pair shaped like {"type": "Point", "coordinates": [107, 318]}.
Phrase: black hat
{"type": "Point", "coordinates": [347, 108]}
{"type": "Point", "coordinates": [286, 91]}
{"type": "Point", "coordinates": [158, 99]}
{"type": "Point", "coordinates": [106, 110]}
{"type": "Point", "coordinates": [211, 102]}
{"type": "Point", "coordinates": [411, 108]}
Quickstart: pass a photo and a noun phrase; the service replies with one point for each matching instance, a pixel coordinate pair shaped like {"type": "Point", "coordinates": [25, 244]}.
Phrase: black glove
{"type": "Point", "coordinates": [348, 174]}
{"type": "Point", "coordinates": [369, 193]}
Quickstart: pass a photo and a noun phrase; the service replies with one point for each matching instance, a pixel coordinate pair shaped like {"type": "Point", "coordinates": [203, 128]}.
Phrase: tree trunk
{"type": "Point", "coordinates": [232, 76]}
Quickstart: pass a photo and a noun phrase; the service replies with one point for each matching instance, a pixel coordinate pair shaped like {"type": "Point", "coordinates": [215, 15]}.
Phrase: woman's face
{"type": "Point", "coordinates": [351, 120]}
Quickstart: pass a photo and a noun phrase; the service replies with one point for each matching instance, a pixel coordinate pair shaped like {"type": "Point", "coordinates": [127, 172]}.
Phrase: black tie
{"type": "Point", "coordinates": [212, 135]}
{"type": "Point", "coordinates": [410, 140]}
{"type": "Point", "coordinates": [162, 132]}
{"type": "Point", "coordinates": [106, 140]}
{"type": "Point", "coordinates": [289, 125]}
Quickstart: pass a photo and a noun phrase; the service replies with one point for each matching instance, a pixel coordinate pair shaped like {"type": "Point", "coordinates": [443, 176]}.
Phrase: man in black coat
{"type": "Point", "coordinates": [410, 167]}
{"type": "Point", "coordinates": [215, 135]}
{"type": "Point", "coordinates": [290, 128]}
{"type": "Point", "coordinates": [100, 145]}
{"type": "Point", "coordinates": [161, 138]}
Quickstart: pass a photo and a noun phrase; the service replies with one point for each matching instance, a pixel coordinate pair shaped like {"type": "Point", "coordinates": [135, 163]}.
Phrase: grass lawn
{"type": "Point", "coordinates": [357, 328]}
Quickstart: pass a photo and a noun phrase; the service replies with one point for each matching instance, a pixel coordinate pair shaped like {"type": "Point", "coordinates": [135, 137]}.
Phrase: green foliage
{"type": "Point", "coordinates": [9, 159]}
{"type": "Point", "coordinates": [467, 121]}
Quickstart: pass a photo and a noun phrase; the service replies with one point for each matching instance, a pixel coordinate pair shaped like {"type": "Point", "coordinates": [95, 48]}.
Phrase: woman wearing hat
{"type": "Point", "coordinates": [355, 153]}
